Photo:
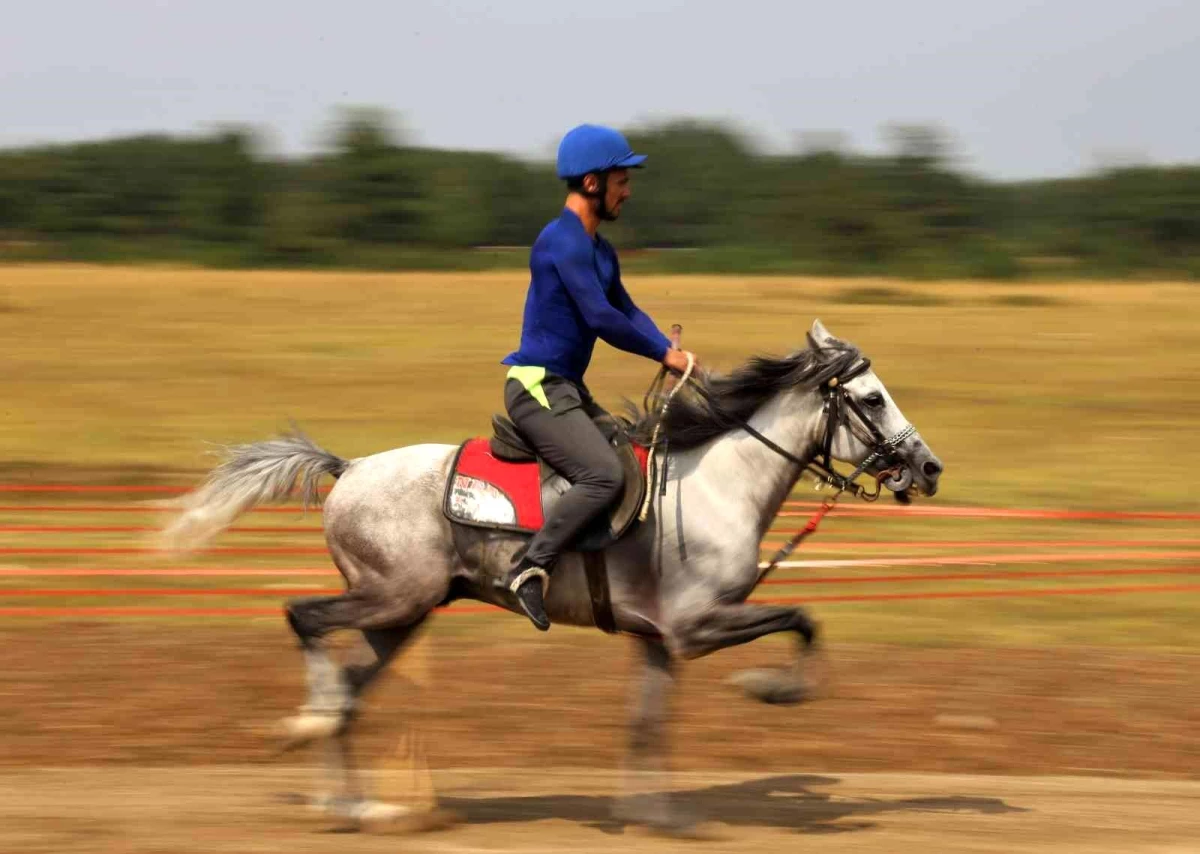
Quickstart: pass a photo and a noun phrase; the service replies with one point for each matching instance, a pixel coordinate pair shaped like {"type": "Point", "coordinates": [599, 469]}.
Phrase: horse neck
{"type": "Point", "coordinates": [751, 475]}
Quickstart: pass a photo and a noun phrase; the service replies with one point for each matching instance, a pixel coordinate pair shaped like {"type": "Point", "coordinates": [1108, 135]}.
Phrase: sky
{"type": "Point", "coordinates": [1023, 89]}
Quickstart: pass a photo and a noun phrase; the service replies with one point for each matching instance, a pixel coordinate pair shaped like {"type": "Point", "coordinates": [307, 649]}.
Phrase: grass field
{"type": "Point", "coordinates": [1062, 396]}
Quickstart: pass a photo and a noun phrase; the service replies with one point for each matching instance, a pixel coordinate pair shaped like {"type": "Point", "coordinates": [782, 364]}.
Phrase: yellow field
{"type": "Point", "coordinates": [1066, 395]}
{"type": "Point", "coordinates": [1089, 400]}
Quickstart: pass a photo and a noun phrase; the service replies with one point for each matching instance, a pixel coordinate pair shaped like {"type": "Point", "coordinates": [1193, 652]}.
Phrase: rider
{"type": "Point", "coordinates": [575, 296]}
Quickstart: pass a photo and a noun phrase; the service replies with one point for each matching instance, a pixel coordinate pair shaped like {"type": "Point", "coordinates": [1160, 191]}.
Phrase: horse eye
{"type": "Point", "coordinates": [874, 399]}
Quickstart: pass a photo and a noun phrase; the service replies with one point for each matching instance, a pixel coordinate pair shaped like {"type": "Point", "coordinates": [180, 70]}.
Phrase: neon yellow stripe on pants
{"type": "Point", "coordinates": [531, 378]}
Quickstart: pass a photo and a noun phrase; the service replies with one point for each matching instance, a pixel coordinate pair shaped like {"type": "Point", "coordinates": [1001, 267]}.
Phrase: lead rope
{"type": "Point", "coordinates": [653, 470]}
{"type": "Point", "coordinates": [845, 484]}
{"type": "Point", "coordinates": [809, 528]}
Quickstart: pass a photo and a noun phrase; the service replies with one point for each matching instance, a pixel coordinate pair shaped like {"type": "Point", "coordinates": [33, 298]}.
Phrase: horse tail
{"type": "Point", "coordinates": [258, 473]}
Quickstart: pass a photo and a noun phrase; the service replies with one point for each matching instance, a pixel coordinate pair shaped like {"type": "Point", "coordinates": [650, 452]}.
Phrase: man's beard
{"type": "Point", "coordinates": [602, 211]}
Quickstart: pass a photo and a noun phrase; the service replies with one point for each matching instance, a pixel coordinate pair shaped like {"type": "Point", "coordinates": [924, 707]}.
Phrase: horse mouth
{"type": "Point", "coordinates": [904, 486]}
{"type": "Point", "coordinates": [900, 480]}
{"type": "Point", "coordinates": [905, 481]}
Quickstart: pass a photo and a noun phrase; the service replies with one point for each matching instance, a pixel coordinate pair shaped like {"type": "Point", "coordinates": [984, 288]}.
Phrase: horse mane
{"type": "Point", "coordinates": [724, 402]}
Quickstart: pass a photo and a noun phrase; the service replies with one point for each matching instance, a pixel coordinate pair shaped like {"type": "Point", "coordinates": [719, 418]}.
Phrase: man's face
{"type": "Point", "coordinates": [615, 193]}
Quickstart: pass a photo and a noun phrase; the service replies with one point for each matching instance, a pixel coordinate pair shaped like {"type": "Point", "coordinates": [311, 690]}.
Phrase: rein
{"type": "Point", "coordinates": [687, 375]}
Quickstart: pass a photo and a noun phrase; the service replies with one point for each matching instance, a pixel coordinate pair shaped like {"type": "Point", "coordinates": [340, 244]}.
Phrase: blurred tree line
{"type": "Point", "coordinates": [708, 202]}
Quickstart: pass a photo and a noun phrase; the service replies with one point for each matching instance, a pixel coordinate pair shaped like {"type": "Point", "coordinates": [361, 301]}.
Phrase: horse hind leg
{"type": "Point", "coordinates": [386, 621]}
{"type": "Point", "coordinates": [405, 797]}
{"type": "Point", "coordinates": [330, 699]}
{"type": "Point", "coordinates": [406, 781]}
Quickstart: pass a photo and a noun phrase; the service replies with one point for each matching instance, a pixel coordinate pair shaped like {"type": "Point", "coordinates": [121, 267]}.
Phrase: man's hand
{"type": "Point", "coordinates": [677, 360]}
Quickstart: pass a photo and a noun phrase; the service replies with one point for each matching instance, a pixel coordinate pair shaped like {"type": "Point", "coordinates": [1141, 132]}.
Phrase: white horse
{"type": "Point", "coordinates": [679, 580]}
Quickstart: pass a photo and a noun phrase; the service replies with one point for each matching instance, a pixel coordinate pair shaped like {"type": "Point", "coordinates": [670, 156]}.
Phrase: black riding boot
{"type": "Point", "coordinates": [528, 584]}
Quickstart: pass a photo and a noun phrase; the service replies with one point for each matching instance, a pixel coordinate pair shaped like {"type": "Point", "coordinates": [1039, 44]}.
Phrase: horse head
{"type": "Point", "coordinates": [865, 428]}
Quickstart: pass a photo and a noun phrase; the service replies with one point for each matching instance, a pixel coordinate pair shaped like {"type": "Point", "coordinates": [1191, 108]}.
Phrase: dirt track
{"type": "Point", "coordinates": [157, 694]}
{"type": "Point", "coordinates": [239, 809]}
{"type": "Point", "coordinates": [155, 737]}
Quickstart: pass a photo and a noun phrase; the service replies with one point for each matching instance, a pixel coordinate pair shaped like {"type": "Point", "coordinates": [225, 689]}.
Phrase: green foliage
{"type": "Point", "coordinates": [207, 189]}
{"type": "Point", "coordinates": [886, 296]}
{"type": "Point", "coordinates": [707, 201]}
{"type": "Point", "coordinates": [370, 184]}
{"type": "Point", "coordinates": [1025, 300]}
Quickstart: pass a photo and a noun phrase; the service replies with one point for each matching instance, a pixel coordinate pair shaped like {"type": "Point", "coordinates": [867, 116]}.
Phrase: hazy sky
{"type": "Point", "coordinates": [1025, 88]}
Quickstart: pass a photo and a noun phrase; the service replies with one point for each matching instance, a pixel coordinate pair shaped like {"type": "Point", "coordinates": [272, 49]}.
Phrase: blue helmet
{"type": "Point", "coordinates": [592, 148]}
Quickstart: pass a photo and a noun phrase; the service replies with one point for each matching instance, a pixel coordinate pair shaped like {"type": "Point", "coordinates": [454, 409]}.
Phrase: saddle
{"type": "Point", "coordinates": [499, 483]}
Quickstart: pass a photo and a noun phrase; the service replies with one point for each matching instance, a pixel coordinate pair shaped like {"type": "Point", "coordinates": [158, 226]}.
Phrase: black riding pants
{"type": "Point", "coordinates": [566, 438]}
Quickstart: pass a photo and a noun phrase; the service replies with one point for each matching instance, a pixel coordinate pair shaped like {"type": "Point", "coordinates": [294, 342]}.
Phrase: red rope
{"type": "Point", "coordinates": [809, 528]}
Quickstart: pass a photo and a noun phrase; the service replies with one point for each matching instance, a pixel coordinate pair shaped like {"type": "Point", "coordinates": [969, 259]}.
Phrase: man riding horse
{"type": "Point", "coordinates": [738, 446]}
{"type": "Point", "coordinates": [575, 296]}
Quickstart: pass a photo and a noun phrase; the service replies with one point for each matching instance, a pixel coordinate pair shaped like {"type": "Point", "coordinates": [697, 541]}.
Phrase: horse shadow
{"type": "Point", "coordinates": [785, 802]}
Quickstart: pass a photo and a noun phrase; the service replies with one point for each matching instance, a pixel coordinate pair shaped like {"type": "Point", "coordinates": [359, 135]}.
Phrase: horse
{"type": "Point", "coordinates": [732, 454]}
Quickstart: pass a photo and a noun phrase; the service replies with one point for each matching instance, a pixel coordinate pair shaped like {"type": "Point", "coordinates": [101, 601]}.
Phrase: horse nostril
{"type": "Point", "coordinates": [932, 469]}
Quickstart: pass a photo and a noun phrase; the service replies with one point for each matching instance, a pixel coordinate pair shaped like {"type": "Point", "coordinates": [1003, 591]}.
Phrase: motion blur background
{"type": "Point", "coordinates": [918, 139]}
{"type": "Point", "coordinates": [216, 217]}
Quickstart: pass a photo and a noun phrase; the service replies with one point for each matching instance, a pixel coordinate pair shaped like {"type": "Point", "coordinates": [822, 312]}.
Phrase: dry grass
{"type": "Point", "coordinates": [1079, 395]}
{"type": "Point", "coordinates": [1090, 400]}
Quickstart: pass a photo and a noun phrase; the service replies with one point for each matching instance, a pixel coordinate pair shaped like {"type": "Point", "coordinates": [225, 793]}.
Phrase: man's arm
{"type": "Point", "coordinates": [640, 336]}
{"type": "Point", "coordinates": [624, 304]}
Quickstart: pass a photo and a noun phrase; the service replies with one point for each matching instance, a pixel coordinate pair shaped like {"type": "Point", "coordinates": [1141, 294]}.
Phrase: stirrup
{"type": "Point", "coordinates": [529, 573]}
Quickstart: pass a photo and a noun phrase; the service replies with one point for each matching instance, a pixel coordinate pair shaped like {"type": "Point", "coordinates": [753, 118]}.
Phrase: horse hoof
{"type": "Point", "coordinates": [777, 687]}
{"type": "Point", "coordinates": [655, 816]}
{"type": "Point", "coordinates": [674, 826]}
{"type": "Point", "coordinates": [303, 729]}
{"type": "Point", "coordinates": [372, 814]}
{"type": "Point", "coordinates": [427, 821]}
{"type": "Point", "coordinates": [381, 817]}
{"type": "Point", "coordinates": [683, 829]}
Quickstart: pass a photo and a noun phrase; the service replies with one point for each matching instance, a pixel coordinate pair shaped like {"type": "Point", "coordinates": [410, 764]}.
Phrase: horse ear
{"type": "Point", "coordinates": [819, 336]}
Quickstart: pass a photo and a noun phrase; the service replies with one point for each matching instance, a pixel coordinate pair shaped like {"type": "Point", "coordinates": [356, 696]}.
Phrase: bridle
{"type": "Point", "coordinates": [838, 406]}
{"type": "Point", "coordinates": [837, 402]}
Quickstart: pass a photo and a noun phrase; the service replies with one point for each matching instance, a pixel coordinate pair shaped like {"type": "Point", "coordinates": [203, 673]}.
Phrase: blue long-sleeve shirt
{"type": "Point", "coordinates": [575, 296]}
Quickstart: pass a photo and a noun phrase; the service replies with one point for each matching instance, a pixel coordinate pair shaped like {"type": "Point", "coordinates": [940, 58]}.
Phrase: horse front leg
{"type": "Point", "coordinates": [725, 625]}
{"type": "Point", "coordinates": [643, 798]}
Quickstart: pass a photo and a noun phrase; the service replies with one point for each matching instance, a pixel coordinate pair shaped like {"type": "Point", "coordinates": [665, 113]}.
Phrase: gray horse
{"type": "Point", "coordinates": [679, 581]}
